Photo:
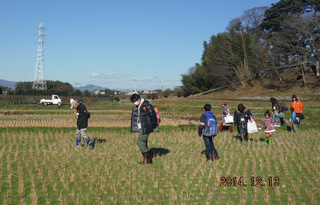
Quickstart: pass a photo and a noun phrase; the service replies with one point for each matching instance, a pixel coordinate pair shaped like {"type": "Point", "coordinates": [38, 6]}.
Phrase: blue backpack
{"type": "Point", "coordinates": [211, 128]}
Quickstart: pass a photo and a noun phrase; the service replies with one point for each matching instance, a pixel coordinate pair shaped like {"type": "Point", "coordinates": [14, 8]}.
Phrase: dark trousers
{"type": "Point", "coordinates": [143, 142]}
{"type": "Point", "coordinates": [210, 149]}
{"type": "Point", "coordinates": [300, 116]}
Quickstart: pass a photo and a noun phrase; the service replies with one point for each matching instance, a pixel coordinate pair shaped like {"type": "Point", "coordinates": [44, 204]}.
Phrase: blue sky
{"type": "Point", "coordinates": [110, 43]}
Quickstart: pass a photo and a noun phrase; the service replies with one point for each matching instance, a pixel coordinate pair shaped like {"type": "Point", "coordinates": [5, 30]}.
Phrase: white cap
{"type": "Point", "coordinates": [72, 102]}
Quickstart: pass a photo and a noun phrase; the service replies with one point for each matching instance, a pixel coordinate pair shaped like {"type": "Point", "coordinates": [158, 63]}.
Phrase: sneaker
{"type": "Point", "coordinates": [216, 157]}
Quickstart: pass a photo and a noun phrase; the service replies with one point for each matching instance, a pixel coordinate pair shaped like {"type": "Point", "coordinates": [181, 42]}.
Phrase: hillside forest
{"type": "Point", "coordinates": [277, 47]}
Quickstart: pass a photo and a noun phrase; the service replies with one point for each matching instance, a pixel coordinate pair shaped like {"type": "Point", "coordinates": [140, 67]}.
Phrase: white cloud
{"type": "Point", "coordinates": [149, 79]}
{"type": "Point", "coordinates": [104, 75]}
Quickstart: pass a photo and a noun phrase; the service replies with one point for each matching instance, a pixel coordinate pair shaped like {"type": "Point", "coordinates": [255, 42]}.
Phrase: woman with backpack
{"type": "Point", "coordinates": [241, 118]}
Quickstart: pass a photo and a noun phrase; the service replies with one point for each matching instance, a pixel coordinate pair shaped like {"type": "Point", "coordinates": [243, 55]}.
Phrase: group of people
{"type": "Point", "coordinates": [144, 121]}
{"type": "Point", "coordinates": [242, 116]}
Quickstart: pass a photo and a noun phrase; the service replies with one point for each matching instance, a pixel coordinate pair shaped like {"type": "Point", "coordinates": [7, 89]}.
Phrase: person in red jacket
{"type": "Point", "coordinates": [298, 107]}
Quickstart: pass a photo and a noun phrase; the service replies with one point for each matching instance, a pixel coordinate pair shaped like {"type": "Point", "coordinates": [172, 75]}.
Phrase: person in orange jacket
{"type": "Point", "coordinates": [298, 107]}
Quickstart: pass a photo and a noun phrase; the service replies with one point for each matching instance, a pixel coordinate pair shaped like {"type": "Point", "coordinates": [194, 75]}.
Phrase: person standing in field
{"type": "Point", "coordinates": [276, 110]}
{"type": "Point", "coordinates": [225, 112]}
{"type": "Point", "coordinates": [208, 130]}
{"type": "Point", "coordinates": [82, 123]}
{"type": "Point", "coordinates": [241, 116]}
{"type": "Point", "coordinates": [298, 107]}
{"type": "Point", "coordinates": [268, 124]}
{"type": "Point", "coordinates": [144, 121]}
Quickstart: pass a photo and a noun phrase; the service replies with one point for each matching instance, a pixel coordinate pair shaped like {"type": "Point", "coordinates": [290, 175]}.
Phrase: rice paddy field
{"type": "Point", "coordinates": [40, 164]}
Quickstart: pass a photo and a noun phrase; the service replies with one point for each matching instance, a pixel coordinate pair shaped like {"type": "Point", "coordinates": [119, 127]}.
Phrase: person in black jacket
{"type": "Point", "coordinates": [82, 123]}
{"type": "Point", "coordinates": [241, 117]}
{"type": "Point", "coordinates": [144, 121]}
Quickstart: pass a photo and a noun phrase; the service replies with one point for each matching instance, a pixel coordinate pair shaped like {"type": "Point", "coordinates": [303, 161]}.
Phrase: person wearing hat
{"type": "Point", "coordinates": [298, 107]}
{"type": "Point", "coordinates": [82, 123]}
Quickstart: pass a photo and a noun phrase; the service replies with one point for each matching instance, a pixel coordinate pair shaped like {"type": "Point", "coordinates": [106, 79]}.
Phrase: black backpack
{"type": "Point", "coordinates": [87, 114]}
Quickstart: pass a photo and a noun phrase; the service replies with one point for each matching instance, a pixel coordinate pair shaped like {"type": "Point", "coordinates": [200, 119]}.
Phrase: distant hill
{"type": "Point", "coordinates": [9, 84]}
{"type": "Point", "coordinates": [90, 88]}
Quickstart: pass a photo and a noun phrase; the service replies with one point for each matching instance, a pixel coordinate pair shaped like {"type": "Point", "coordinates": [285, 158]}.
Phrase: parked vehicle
{"type": "Point", "coordinates": [55, 100]}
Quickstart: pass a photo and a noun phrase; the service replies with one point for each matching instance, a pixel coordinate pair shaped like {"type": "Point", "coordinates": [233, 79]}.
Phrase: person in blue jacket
{"type": "Point", "coordinates": [211, 152]}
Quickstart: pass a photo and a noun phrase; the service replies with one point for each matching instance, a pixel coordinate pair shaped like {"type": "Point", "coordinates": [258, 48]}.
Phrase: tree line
{"type": "Point", "coordinates": [66, 89]}
{"type": "Point", "coordinates": [53, 87]}
{"type": "Point", "coordinates": [275, 46]}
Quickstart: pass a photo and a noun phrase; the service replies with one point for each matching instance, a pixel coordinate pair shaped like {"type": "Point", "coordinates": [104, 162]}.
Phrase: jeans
{"type": "Point", "coordinates": [276, 118]}
{"type": "Point", "coordinates": [210, 149]}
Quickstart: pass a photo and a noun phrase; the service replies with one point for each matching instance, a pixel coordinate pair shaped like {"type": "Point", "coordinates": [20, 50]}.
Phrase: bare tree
{"type": "Point", "coordinates": [294, 47]}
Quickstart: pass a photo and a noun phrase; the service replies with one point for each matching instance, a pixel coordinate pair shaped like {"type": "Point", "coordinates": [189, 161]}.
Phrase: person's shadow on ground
{"type": "Point", "coordinates": [158, 152]}
{"type": "Point", "coordinates": [98, 141]}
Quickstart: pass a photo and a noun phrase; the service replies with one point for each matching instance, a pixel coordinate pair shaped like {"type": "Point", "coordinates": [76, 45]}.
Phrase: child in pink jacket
{"type": "Point", "coordinates": [268, 124]}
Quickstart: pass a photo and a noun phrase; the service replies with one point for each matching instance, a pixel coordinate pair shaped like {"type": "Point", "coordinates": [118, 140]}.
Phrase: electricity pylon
{"type": "Point", "coordinates": [39, 82]}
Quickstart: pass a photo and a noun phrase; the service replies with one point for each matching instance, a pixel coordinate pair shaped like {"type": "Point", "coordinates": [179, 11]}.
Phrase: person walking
{"type": "Point", "coordinates": [82, 123]}
{"type": "Point", "coordinates": [268, 125]}
{"type": "Point", "coordinates": [298, 107]}
{"type": "Point", "coordinates": [208, 130]}
{"type": "Point", "coordinates": [225, 125]}
{"type": "Point", "coordinates": [144, 121]}
{"type": "Point", "coordinates": [241, 116]}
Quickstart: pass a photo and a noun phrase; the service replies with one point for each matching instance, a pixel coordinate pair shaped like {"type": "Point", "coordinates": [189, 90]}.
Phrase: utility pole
{"type": "Point", "coordinates": [39, 82]}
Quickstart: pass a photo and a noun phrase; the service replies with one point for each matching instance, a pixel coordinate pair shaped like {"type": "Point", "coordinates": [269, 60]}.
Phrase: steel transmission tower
{"type": "Point", "coordinates": [39, 82]}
